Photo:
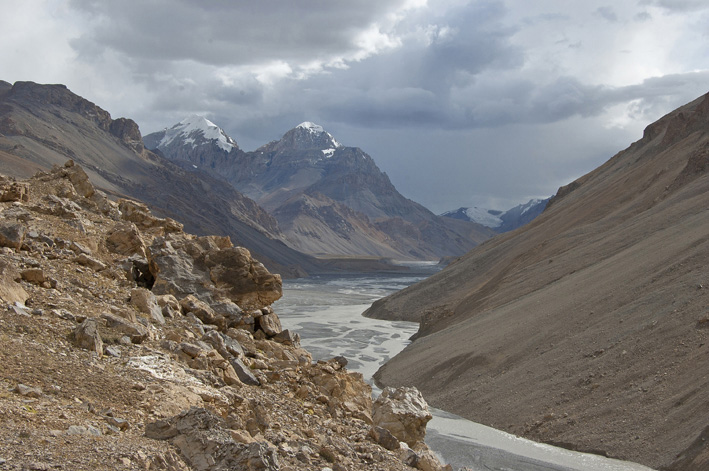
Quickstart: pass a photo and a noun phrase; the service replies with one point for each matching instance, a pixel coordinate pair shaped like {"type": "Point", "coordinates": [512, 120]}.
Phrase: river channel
{"type": "Point", "coordinates": [327, 313]}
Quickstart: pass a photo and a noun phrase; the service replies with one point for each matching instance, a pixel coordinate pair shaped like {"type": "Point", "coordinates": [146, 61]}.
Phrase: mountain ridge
{"type": "Point", "coordinates": [44, 125]}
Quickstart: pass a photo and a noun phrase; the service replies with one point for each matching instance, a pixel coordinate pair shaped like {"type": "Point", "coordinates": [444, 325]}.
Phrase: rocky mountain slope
{"type": "Point", "coordinates": [44, 125]}
{"type": "Point", "coordinates": [127, 343]}
{"type": "Point", "coordinates": [501, 221]}
{"type": "Point", "coordinates": [588, 327]}
{"type": "Point", "coordinates": [327, 198]}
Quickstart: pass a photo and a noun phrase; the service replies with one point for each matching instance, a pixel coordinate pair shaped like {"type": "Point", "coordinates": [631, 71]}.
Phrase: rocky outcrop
{"type": "Point", "coordinates": [404, 413]}
{"type": "Point", "coordinates": [211, 268]}
{"type": "Point", "coordinates": [106, 374]}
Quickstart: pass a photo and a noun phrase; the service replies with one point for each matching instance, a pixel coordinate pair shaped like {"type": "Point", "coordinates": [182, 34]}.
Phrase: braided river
{"type": "Point", "coordinates": [327, 313]}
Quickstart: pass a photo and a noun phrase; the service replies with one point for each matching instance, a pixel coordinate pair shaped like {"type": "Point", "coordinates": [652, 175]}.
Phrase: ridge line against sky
{"type": "Point", "coordinates": [461, 103]}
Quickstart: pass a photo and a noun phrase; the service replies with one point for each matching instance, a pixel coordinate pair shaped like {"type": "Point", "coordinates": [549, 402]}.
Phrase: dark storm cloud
{"type": "Point", "coordinates": [479, 89]}
{"type": "Point", "coordinates": [227, 33]}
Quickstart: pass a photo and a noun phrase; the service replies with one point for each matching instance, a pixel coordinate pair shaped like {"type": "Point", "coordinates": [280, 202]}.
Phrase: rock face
{"type": "Point", "coordinates": [106, 375]}
{"type": "Point", "coordinates": [327, 198]}
{"type": "Point", "coordinates": [594, 312]}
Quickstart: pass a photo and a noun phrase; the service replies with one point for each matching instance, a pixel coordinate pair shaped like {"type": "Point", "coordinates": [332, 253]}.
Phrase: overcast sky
{"type": "Point", "coordinates": [461, 103]}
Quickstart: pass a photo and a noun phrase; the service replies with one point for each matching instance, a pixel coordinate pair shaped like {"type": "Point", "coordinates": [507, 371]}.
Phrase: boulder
{"type": "Point", "coordinates": [35, 276]}
{"type": "Point", "coordinates": [78, 179]}
{"type": "Point", "coordinates": [125, 239]}
{"type": "Point", "coordinates": [403, 412]}
{"type": "Point", "coordinates": [201, 310]}
{"type": "Point", "coordinates": [88, 261]}
{"type": "Point", "coordinates": [14, 191]}
{"type": "Point", "coordinates": [137, 332]}
{"type": "Point", "coordinates": [384, 437]}
{"type": "Point", "coordinates": [226, 346]}
{"type": "Point", "coordinates": [286, 337]}
{"type": "Point", "coordinates": [87, 336]}
{"type": "Point", "coordinates": [170, 305]}
{"type": "Point", "coordinates": [270, 324]}
{"type": "Point", "coordinates": [140, 214]}
{"type": "Point", "coordinates": [12, 234]}
{"type": "Point", "coordinates": [211, 269]}
{"type": "Point", "coordinates": [10, 291]}
{"type": "Point", "coordinates": [243, 372]}
{"type": "Point", "coordinates": [146, 302]}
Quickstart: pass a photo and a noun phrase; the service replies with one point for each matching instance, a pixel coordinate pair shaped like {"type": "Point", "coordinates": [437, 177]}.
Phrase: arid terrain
{"type": "Point", "coordinates": [127, 343]}
{"type": "Point", "coordinates": [588, 327]}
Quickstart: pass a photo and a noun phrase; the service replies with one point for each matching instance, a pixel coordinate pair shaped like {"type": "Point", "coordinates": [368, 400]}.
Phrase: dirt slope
{"type": "Point", "coordinates": [587, 327]}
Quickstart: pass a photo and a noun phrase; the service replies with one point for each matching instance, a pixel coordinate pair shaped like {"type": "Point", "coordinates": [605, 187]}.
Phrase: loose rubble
{"type": "Point", "coordinates": [127, 343]}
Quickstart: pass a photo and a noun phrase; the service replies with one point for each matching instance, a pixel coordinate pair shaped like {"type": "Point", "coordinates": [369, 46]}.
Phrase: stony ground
{"type": "Point", "coordinates": [99, 373]}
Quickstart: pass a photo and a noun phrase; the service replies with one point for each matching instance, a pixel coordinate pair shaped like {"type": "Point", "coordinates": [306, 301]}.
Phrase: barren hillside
{"type": "Point", "coordinates": [589, 326]}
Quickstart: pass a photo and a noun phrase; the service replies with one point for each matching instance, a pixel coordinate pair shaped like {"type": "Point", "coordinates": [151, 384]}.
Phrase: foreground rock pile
{"type": "Point", "coordinates": [126, 343]}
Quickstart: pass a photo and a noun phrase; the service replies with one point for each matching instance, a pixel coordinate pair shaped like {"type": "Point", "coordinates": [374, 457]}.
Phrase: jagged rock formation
{"type": "Point", "coordinates": [327, 198]}
{"type": "Point", "coordinates": [44, 125]}
{"type": "Point", "coordinates": [586, 327]}
{"type": "Point", "coordinates": [110, 362]}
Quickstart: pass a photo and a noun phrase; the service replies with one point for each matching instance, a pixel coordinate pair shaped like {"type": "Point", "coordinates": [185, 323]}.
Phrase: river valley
{"type": "Point", "coordinates": [326, 312]}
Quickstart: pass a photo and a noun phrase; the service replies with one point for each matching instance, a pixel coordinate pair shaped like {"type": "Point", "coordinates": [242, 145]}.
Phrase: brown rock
{"type": "Point", "coordinates": [87, 336]}
{"type": "Point", "coordinates": [384, 437]}
{"type": "Point", "coordinates": [404, 412]}
{"type": "Point", "coordinates": [87, 261]}
{"type": "Point", "coordinates": [210, 268]}
{"type": "Point", "coordinates": [206, 443]}
{"type": "Point", "coordinates": [34, 275]}
{"type": "Point", "coordinates": [146, 303]}
{"type": "Point", "coordinates": [80, 180]}
{"type": "Point", "coordinates": [270, 324]}
{"type": "Point", "coordinates": [14, 191]}
{"type": "Point", "coordinates": [190, 304]}
{"type": "Point", "coordinates": [137, 332]}
{"type": "Point", "coordinates": [125, 239]}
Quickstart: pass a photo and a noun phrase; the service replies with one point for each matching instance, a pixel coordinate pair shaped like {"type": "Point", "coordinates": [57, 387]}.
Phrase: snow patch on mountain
{"type": "Point", "coordinates": [501, 221]}
{"type": "Point", "coordinates": [486, 217]}
{"type": "Point", "coordinates": [194, 129]}
{"type": "Point", "coordinates": [529, 205]}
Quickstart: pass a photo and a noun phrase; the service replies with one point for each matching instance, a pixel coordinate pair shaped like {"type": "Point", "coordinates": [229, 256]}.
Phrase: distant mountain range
{"type": "Point", "coordinates": [327, 198]}
{"type": "Point", "coordinates": [45, 125]}
{"type": "Point", "coordinates": [501, 221]}
{"type": "Point", "coordinates": [313, 195]}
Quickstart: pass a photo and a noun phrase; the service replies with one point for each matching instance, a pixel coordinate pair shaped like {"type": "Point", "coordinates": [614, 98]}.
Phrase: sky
{"type": "Point", "coordinates": [483, 103]}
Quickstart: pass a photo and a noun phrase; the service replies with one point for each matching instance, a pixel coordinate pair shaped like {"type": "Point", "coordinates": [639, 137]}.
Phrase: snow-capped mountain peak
{"type": "Point", "coordinates": [312, 127]}
{"type": "Point", "coordinates": [194, 129]}
{"type": "Point", "coordinates": [316, 130]}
